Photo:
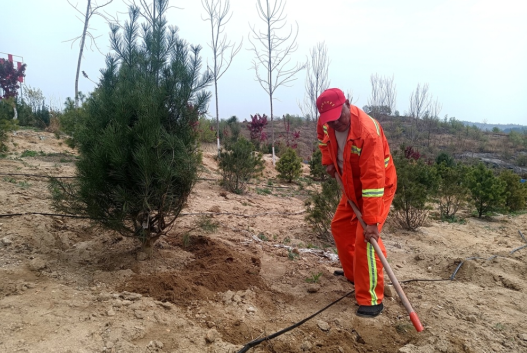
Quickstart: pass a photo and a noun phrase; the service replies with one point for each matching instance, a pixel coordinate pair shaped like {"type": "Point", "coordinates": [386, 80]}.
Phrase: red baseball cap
{"type": "Point", "coordinates": [329, 105]}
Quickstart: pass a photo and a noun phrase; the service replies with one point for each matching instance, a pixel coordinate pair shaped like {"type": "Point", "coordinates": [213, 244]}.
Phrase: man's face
{"type": "Point", "coordinates": [342, 123]}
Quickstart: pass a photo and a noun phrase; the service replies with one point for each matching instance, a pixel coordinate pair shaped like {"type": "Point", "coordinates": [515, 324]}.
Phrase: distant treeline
{"type": "Point", "coordinates": [503, 127]}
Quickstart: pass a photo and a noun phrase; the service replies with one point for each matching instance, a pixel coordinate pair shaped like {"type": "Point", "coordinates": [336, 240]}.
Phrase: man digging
{"type": "Point", "coordinates": [353, 146]}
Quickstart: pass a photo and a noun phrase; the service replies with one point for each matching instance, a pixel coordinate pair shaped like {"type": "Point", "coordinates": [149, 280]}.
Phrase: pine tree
{"type": "Point", "coordinates": [239, 163]}
{"type": "Point", "coordinates": [137, 139]}
{"type": "Point", "coordinates": [417, 183]}
{"type": "Point", "coordinates": [289, 166]}
{"type": "Point", "coordinates": [487, 191]}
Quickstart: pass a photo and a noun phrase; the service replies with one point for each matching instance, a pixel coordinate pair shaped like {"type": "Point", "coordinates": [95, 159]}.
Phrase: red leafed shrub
{"type": "Point", "coordinates": [256, 126]}
{"type": "Point", "coordinates": [410, 153]}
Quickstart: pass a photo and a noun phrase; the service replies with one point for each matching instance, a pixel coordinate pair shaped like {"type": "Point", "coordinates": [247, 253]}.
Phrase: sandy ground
{"type": "Point", "coordinates": [67, 285]}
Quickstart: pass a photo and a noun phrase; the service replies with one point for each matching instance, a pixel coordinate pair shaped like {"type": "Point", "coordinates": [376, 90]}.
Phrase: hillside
{"type": "Point", "coordinates": [236, 268]}
{"type": "Point", "coordinates": [429, 136]}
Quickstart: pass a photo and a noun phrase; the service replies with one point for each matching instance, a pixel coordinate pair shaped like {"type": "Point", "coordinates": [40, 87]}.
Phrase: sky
{"type": "Point", "coordinates": [471, 53]}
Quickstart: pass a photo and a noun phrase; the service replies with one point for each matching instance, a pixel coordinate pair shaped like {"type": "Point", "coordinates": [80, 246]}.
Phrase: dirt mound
{"type": "Point", "coordinates": [216, 268]}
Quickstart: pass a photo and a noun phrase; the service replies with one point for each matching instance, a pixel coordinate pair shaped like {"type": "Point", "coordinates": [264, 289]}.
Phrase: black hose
{"type": "Point", "coordinates": [276, 334]}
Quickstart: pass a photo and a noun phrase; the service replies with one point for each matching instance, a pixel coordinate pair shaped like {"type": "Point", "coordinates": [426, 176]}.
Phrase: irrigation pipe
{"type": "Point", "coordinates": [276, 334]}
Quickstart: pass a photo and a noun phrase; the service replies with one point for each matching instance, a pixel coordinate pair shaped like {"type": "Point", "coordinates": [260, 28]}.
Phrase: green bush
{"type": "Point", "coordinates": [516, 195]}
{"type": "Point", "coordinates": [6, 120]}
{"type": "Point", "coordinates": [316, 169]}
{"type": "Point", "coordinates": [417, 184]}
{"type": "Point", "coordinates": [239, 163]}
{"type": "Point", "coordinates": [321, 206]}
{"type": "Point", "coordinates": [486, 191]}
{"type": "Point", "coordinates": [206, 129]}
{"type": "Point", "coordinates": [452, 192]}
{"type": "Point", "coordinates": [138, 148]}
{"type": "Point", "coordinates": [289, 166]}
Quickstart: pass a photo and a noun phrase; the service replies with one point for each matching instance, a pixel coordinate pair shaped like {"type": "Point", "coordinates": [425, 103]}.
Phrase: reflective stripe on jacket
{"type": "Point", "coordinates": [368, 173]}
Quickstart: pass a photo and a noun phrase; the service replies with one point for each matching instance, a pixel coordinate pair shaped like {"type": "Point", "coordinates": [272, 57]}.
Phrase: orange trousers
{"type": "Point", "coordinates": [360, 263]}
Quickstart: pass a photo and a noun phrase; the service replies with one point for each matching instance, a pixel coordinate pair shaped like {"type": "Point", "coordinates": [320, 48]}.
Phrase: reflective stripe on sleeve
{"type": "Point", "coordinates": [376, 125]}
{"type": "Point", "coordinates": [386, 161]}
{"type": "Point", "coordinates": [372, 192]}
{"type": "Point", "coordinates": [356, 150]}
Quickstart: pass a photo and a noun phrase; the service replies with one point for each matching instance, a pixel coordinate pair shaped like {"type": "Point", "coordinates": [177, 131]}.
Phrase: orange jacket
{"type": "Point", "coordinates": [368, 173]}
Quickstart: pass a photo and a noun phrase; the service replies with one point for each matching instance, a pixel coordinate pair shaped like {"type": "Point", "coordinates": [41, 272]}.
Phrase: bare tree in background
{"type": "Point", "coordinates": [420, 101]}
{"type": "Point", "coordinates": [317, 81]}
{"type": "Point", "coordinates": [274, 54]}
{"type": "Point", "coordinates": [91, 9]}
{"type": "Point", "coordinates": [383, 96]}
{"type": "Point", "coordinates": [431, 120]}
{"type": "Point", "coordinates": [218, 16]}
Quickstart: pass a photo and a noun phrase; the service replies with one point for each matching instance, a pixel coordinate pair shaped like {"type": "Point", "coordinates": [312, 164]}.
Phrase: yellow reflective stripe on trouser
{"type": "Point", "coordinates": [321, 143]}
{"type": "Point", "coordinates": [372, 272]}
{"type": "Point", "coordinates": [356, 150]}
{"type": "Point", "coordinates": [325, 128]}
{"type": "Point", "coordinates": [372, 192]}
{"type": "Point", "coordinates": [386, 161]}
{"type": "Point", "coordinates": [376, 125]}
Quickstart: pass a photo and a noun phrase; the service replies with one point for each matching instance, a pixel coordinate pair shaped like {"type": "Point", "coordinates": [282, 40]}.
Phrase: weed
{"type": "Point", "coordinates": [65, 160]}
{"type": "Point", "coordinates": [315, 277]}
{"type": "Point", "coordinates": [311, 246]}
{"type": "Point", "coordinates": [499, 326]}
{"type": "Point", "coordinates": [10, 180]}
{"type": "Point", "coordinates": [287, 240]}
{"type": "Point", "coordinates": [186, 240]}
{"type": "Point", "coordinates": [403, 327]}
{"type": "Point", "coordinates": [24, 184]}
{"type": "Point", "coordinates": [3, 155]}
{"type": "Point", "coordinates": [207, 224]}
{"type": "Point", "coordinates": [335, 251]}
{"type": "Point", "coordinates": [269, 182]}
{"type": "Point", "coordinates": [291, 255]}
{"type": "Point", "coordinates": [263, 237]}
{"type": "Point", "coordinates": [275, 236]}
{"type": "Point", "coordinates": [454, 219]}
{"type": "Point", "coordinates": [28, 153]}
{"type": "Point", "coordinates": [245, 203]}
{"type": "Point", "coordinates": [264, 191]}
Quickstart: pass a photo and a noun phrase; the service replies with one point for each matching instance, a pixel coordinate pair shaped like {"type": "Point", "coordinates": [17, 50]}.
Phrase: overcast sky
{"type": "Point", "coordinates": [472, 53]}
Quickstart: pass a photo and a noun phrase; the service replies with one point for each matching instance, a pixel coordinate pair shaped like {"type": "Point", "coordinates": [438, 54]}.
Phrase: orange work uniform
{"type": "Point", "coordinates": [369, 179]}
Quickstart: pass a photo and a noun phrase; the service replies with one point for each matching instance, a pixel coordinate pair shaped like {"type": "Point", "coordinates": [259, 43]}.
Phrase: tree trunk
{"type": "Point", "coordinates": [83, 38]}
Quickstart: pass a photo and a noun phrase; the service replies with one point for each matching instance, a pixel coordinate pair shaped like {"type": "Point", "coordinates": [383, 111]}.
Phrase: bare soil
{"type": "Point", "coordinates": [67, 285]}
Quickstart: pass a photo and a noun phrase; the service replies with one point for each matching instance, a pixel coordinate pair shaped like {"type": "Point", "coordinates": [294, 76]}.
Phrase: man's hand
{"type": "Point", "coordinates": [330, 169]}
{"type": "Point", "coordinates": [371, 231]}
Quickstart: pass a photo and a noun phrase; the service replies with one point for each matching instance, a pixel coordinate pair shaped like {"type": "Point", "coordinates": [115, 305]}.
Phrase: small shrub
{"type": "Point", "coordinates": [321, 206]}
{"type": "Point", "coordinates": [239, 163]}
{"type": "Point", "coordinates": [417, 183]}
{"type": "Point", "coordinates": [487, 192]}
{"type": "Point", "coordinates": [316, 169]}
{"type": "Point", "coordinates": [289, 166]}
{"type": "Point", "coordinates": [206, 130]}
{"type": "Point", "coordinates": [516, 194]}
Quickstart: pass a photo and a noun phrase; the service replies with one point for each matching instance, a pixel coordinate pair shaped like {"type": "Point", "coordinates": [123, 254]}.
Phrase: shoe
{"type": "Point", "coordinates": [370, 310]}
{"type": "Point", "coordinates": [338, 273]}
{"type": "Point", "coordinates": [341, 273]}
